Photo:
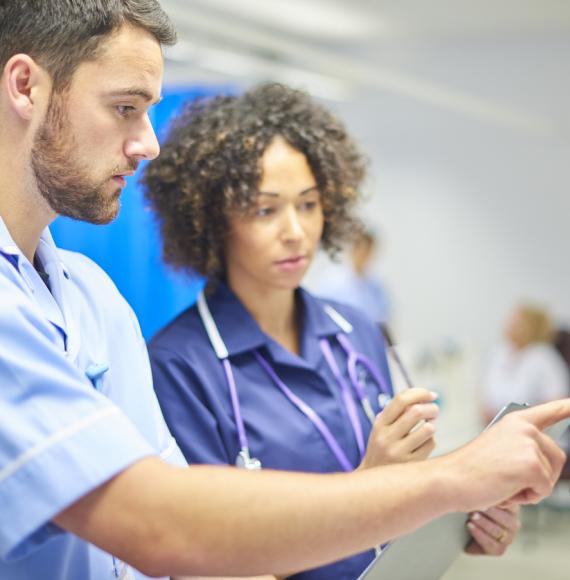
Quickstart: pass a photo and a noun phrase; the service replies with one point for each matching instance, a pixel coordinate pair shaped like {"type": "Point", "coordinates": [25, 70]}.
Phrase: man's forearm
{"type": "Point", "coordinates": [223, 521]}
{"type": "Point", "coordinates": [208, 520]}
{"type": "Point", "coordinates": [226, 578]}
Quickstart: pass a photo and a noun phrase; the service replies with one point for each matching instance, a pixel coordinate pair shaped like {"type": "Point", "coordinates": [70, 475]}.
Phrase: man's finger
{"type": "Point", "coordinates": [553, 454]}
{"type": "Point", "coordinates": [541, 482]}
{"type": "Point", "coordinates": [547, 414]}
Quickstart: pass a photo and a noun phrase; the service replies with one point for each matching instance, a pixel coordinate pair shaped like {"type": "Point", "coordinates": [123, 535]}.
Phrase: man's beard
{"type": "Point", "coordinates": [60, 177]}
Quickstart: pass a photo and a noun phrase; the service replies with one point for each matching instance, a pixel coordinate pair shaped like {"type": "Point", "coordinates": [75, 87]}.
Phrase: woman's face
{"type": "Point", "coordinates": [274, 244]}
{"type": "Point", "coordinates": [517, 330]}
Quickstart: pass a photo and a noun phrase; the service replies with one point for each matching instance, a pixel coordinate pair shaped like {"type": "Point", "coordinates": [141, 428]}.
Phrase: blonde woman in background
{"type": "Point", "coordinates": [526, 368]}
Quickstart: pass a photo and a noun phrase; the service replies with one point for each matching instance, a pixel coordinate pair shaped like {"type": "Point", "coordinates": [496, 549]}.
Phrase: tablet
{"type": "Point", "coordinates": [425, 554]}
{"type": "Point", "coordinates": [429, 551]}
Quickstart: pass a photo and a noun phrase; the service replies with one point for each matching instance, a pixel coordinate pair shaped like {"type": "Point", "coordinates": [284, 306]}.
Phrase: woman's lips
{"type": "Point", "coordinates": [292, 264]}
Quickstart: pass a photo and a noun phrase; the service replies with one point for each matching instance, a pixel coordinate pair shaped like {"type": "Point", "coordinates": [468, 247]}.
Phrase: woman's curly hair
{"type": "Point", "coordinates": [209, 170]}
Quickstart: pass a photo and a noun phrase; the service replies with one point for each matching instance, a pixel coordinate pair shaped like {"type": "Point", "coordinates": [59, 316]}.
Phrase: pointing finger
{"type": "Point", "coordinates": [547, 414]}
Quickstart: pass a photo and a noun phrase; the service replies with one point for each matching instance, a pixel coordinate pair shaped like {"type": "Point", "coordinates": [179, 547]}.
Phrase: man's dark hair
{"type": "Point", "coordinates": [61, 34]}
{"type": "Point", "coordinates": [209, 170]}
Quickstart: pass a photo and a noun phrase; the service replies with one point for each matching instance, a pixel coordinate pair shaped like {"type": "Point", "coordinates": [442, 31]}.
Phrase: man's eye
{"type": "Point", "coordinates": [125, 110]}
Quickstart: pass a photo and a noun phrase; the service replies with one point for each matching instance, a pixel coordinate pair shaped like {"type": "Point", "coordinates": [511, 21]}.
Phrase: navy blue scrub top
{"type": "Point", "coordinates": [193, 393]}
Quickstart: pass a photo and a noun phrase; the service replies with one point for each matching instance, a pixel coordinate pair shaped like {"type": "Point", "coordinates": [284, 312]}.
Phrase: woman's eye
{"type": "Point", "coordinates": [263, 211]}
{"type": "Point", "coordinates": [308, 205]}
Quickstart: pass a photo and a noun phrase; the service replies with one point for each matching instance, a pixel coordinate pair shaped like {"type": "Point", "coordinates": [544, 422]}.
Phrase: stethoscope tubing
{"type": "Point", "coordinates": [346, 395]}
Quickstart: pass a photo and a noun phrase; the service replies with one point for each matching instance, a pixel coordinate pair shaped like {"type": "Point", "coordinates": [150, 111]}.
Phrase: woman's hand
{"type": "Point", "coordinates": [404, 430]}
{"type": "Point", "coordinates": [493, 530]}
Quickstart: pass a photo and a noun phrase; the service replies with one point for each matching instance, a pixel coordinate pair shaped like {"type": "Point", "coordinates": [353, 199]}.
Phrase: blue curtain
{"type": "Point", "coordinates": [129, 249]}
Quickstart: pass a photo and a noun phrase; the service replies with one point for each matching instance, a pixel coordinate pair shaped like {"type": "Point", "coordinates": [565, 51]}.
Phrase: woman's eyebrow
{"type": "Point", "coordinates": [303, 192]}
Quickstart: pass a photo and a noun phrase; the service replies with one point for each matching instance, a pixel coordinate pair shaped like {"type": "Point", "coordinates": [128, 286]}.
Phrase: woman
{"type": "Point", "coordinates": [260, 372]}
{"type": "Point", "coordinates": [526, 368]}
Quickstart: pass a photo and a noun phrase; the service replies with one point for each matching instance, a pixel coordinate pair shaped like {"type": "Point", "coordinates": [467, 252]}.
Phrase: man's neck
{"type": "Point", "coordinates": [273, 309]}
{"type": "Point", "coordinates": [24, 212]}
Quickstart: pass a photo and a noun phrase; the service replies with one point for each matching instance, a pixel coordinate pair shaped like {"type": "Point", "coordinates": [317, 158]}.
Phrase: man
{"type": "Point", "coordinates": [83, 448]}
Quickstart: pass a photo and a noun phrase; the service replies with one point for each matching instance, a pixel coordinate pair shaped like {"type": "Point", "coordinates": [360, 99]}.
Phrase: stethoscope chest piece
{"type": "Point", "coordinates": [244, 461]}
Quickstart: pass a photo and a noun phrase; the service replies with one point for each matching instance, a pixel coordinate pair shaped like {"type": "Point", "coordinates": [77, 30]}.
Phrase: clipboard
{"type": "Point", "coordinates": [429, 551]}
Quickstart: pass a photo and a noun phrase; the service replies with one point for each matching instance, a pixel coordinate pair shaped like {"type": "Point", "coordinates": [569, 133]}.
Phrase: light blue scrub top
{"type": "Point", "coordinates": [194, 395]}
{"type": "Point", "coordinates": [61, 433]}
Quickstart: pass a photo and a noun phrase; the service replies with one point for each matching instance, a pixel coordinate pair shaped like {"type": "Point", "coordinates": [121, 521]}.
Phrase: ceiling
{"type": "Point", "coordinates": [473, 58]}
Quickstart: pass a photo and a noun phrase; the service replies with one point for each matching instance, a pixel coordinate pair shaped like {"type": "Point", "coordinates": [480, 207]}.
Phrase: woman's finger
{"type": "Point", "coordinates": [412, 416]}
{"type": "Point", "coordinates": [508, 518]}
{"type": "Point", "coordinates": [492, 543]}
{"type": "Point", "coordinates": [424, 451]}
{"type": "Point", "coordinates": [418, 438]}
{"type": "Point", "coordinates": [402, 401]}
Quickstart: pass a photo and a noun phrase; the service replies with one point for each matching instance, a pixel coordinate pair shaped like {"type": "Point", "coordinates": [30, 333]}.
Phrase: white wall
{"type": "Point", "coordinates": [475, 216]}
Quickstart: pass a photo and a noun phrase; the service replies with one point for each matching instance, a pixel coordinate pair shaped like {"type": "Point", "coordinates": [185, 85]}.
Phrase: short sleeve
{"type": "Point", "coordinates": [59, 438]}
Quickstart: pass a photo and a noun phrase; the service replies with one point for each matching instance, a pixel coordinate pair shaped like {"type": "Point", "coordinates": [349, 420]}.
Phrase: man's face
{"type": "Point", "coordinates": [97, 130]}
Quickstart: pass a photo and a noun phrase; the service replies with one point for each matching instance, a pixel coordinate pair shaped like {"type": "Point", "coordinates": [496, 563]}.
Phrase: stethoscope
{"type": "Point", "coordinates": [358, 366]}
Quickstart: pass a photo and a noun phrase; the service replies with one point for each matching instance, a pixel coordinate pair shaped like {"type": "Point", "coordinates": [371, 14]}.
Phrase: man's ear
{"type": "Point", "coordinates": [24, 82]}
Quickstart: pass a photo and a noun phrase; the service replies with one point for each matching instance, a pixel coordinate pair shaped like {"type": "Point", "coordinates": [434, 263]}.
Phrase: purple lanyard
{"type": "Point", "coordinates": [235, 404]}
{"type": "Point", "coordinates": [310, 413]}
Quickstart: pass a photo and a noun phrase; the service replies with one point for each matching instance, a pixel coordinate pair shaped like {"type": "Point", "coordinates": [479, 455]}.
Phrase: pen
{"type": "Point", "coordinates": [394, 354]}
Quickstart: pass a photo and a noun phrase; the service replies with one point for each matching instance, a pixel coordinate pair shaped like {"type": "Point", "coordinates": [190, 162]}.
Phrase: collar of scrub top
{"type": "Point", "coordinates": [53, 303]}
{"type": "Point", "coordinates": [241, 333]}
{"type": "Point", "coordinates": [317, 319]}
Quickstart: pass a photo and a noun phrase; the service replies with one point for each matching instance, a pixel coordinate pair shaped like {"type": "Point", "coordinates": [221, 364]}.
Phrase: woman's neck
{"type": "Point", "coordinates": [274, 310]}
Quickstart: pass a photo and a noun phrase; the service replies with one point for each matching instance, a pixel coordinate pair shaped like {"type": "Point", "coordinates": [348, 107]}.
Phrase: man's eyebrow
{"type": "Point", "coordinates": [304, 192]}
{"type": "Point", "coordinates": [135, 92]}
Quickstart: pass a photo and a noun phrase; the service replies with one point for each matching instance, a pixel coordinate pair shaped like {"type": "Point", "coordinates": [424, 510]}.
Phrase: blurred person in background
{"type": "Point", "coordinates": [526, 367]}
{"type": "Point", "coordinates": [355, 283]}
{"type": "Point", "coordinates": [245, 191]}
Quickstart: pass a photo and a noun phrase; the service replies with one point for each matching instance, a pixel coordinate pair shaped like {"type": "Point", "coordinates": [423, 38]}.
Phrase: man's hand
{"type": "Point", "coordinates": [404, 430]}
{"type": "Point", "coordinates": [512, 462]}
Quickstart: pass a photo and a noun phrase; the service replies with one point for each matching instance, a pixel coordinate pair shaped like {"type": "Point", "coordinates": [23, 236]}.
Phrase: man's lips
{"type": "Point", "coordinates": [120, 177]}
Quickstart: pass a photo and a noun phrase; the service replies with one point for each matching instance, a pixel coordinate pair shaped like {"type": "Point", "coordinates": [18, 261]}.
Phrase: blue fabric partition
{"type": "Point", "coordinates": [129, 249]}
